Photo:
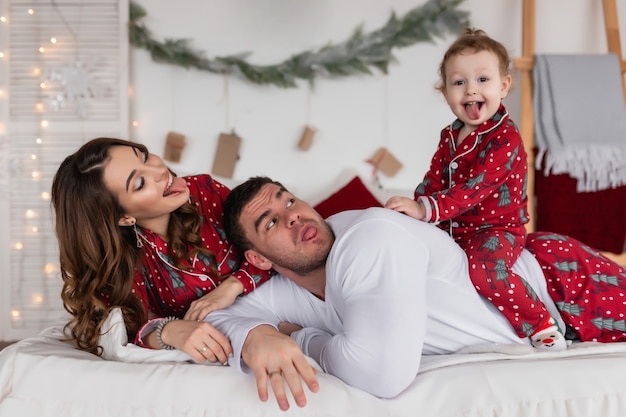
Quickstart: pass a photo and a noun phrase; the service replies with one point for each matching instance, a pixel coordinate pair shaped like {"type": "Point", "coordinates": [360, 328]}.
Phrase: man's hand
{"type": "Point", "coordinates": [275, 357]}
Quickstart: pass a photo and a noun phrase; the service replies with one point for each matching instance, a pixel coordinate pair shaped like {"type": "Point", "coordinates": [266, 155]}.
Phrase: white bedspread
{"type": "Point", "coordinates": [43, 376]}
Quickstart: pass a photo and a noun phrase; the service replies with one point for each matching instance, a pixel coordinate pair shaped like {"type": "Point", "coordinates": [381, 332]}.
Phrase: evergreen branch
{"type": "Point", "coordinates": [355, 56]}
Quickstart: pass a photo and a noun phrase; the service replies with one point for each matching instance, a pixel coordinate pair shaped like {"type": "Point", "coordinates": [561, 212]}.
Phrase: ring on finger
{"type": "Point", "coordinates": [270, 374]}
{"type": "Point", "coordinates": [203, 349]}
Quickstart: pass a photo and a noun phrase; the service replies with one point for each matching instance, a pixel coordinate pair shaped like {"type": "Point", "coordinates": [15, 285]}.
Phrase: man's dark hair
{"type": "Point", "coordinates": [234, 204]}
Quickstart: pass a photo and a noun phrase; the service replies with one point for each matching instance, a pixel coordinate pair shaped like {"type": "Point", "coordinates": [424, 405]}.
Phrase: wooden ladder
{"type": "Point", "coordinates": [525, 64]}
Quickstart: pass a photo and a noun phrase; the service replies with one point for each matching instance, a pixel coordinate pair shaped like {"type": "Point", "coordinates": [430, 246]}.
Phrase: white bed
{"type": "Point", "coordinates": [43, 376]}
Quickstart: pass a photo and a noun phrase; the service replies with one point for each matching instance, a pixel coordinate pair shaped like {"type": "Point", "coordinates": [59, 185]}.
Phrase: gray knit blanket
{"type": "Point", "coordinates": [580, 119]}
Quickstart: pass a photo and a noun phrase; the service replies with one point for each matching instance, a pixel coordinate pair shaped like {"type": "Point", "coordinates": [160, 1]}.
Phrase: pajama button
{"type": "Point", "coordinates": [454, 165]}
{"type": "Point", "coordinates": [455, 224]}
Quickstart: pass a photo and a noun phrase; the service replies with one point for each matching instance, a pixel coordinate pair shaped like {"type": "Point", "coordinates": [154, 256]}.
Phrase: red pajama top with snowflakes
{"type": "Point", "coordinates": [480, 183]}
{"type": "Point", "coordinates": [166, 290]}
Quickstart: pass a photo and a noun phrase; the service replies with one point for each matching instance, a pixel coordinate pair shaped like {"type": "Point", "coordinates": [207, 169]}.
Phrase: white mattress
{"type": "Point", "coordinates": [43, 376]}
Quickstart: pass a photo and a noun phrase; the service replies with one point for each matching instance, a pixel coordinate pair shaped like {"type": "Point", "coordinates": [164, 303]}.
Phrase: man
{"type": "Point", "coordinates": [365, 294]}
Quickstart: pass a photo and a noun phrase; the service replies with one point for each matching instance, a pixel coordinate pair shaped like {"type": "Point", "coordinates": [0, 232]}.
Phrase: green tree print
{"type": "Point", "coordinates": [509, 165]}
{"type": "Point", "coordinates": [491, 244]}
{"type": "Point", "coordinates": [473, 182]}
{"type": "Point", "coordinates": [566, 266]}
{"type": "Point", "coordinates": [609, 324]}
{"type": "Point", "coordinates": [505, 196]}
{"type": "Point", "coordinates": [572, 309]}
{"type": "Point", "coordinates": [609, 279]}
{"type": "Point", "coordinates": [421, 188]}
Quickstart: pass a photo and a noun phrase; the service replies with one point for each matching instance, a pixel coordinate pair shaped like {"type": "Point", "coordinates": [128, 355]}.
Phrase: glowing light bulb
{"type": "Point", "coordinates": [42, 85]}
{"type": "Point", "coordinates": [39, 107]}
{"type": "Point", "coordinates": [35, 174]}
{"type": "Point", "coordinates": [36, 71]}
{"type": "Point", "coordinates": [31, 11]}
{"type": "Point", "coordinates": [45, 195]}
{"type": "Point", "coordinates": [38, 141]}
{"type": "Point", "coordinates": [3, 19]}
{"type": "Point", "coordinates": [50, 269]}
{"type": "Point", "coordinates": [33, 157]}
{"type": "Point", "coordinates": [42, 49]}
{"type": "Point", "coordinates": [53, 40]}
{"type": "Point", "coordinates": [35, 229]}
{"type": "Point", "coordinates": [1, 54]}
{"type": "Point", "coordinates": [30, 214]}
{"type": "Point", "coordinates": [44, 123]}
{"type": "Point", "coordinates": [15, 314]}
{"type": "Point", "coordinates": [37, 299]}
{"type": "Point", "coordinates": [135, 123]}
{"type": "Point", "coordinates": [18, 246]}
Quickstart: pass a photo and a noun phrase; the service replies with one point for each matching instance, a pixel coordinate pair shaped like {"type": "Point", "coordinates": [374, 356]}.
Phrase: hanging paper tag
{"type": "Point", "coordinates": [174, 145]}
{"type": "Point", "coordinates": [384, 161]}
{"type": "Point", "coordinates": [226, 155]}
{"type": "Point", "coordinates": [306, 139]}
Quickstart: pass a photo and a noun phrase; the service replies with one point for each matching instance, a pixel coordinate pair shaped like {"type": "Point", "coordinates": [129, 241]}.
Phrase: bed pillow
{"type": "Point", "coordinates": [114, 342]}
{"type": "Point", "coordinates": [352, 196]}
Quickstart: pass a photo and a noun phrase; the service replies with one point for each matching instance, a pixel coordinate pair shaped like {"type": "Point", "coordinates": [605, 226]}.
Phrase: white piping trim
{"type": "Point", "coordinates": [203, 277]}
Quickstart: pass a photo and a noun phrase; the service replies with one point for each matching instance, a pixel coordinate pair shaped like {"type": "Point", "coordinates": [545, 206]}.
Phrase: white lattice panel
{"type": "Point", "coordinates": [64, 79]}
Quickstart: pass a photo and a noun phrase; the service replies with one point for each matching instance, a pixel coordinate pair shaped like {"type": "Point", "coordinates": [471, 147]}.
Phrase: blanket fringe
{"type": "Point", "coordinates": [595, 167]}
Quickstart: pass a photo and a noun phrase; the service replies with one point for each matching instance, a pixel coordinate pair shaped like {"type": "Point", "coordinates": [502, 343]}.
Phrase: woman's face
{"type": "Point", "coordinates": [144, 186]}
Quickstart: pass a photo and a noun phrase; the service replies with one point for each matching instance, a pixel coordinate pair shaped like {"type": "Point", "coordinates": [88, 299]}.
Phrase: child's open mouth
{"type": "Point", "coordinates": [473, 109]}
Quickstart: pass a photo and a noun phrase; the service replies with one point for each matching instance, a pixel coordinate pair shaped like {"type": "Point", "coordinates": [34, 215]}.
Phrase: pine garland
{"type": "Point", "coordinates": [355, 56]}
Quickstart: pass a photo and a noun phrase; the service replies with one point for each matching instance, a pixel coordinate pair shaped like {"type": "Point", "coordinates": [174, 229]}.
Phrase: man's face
{"type": "Point", "coordinates": [286, 231]}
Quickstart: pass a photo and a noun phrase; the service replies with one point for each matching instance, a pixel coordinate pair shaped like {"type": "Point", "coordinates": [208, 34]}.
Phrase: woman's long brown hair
{"type": "Point", "coordinates": [97, 256]}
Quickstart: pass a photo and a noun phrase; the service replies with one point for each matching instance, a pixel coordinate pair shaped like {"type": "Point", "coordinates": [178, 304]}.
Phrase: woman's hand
{"type": "Point", "coordinates": [221, 297]}
{"type": "Point", "coordinates": [199, 340]}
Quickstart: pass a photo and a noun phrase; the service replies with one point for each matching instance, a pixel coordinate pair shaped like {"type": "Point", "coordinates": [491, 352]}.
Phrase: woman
{"type": "Point", "coordinates": [134, 235]}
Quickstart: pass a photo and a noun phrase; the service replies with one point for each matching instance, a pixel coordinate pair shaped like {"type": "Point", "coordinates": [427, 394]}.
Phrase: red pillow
{"type": "Point", "coordinates": [352, 196]}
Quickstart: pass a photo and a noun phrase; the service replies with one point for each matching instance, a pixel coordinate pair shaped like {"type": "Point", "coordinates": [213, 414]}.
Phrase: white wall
{"type": "Point", "coordinates": [354, 115]}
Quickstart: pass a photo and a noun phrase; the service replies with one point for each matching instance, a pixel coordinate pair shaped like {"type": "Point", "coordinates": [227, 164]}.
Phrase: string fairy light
{"type": "Point", "coordinates": [45, 51]}
{"type": "Point", "coordinates": [37, 299]}
{"type": "Point", "coordinates": [32, 239]}
{"type": "Point", "coordinates": [50, 269]}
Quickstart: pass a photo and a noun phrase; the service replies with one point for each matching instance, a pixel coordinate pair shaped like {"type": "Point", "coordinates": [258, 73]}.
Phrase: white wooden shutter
{"type": "Point", "coordinates": [64, 80]}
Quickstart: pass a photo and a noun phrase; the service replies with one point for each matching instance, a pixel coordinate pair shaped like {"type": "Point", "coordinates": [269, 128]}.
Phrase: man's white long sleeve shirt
{"type": "Point", "coordinates": [396, 289]}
